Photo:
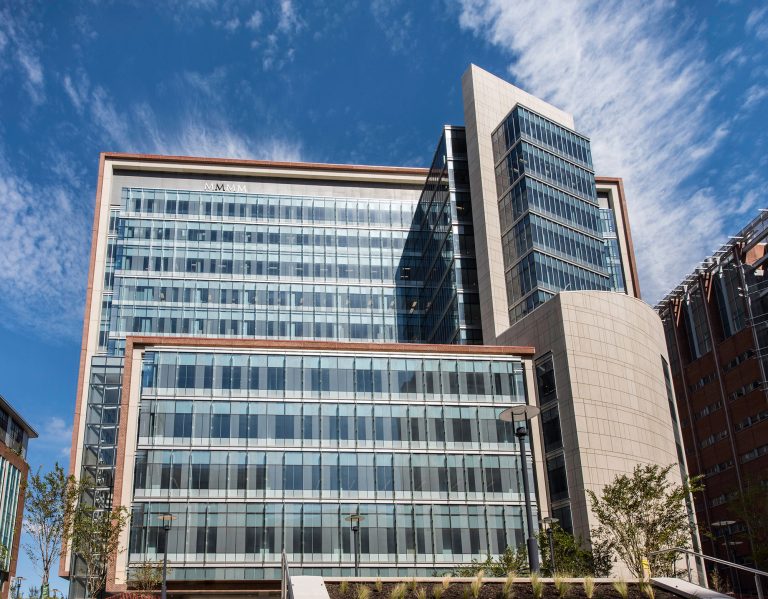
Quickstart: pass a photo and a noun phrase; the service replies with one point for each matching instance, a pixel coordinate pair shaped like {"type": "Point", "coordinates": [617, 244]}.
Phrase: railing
{"type": "Point", "coordinates": [688, 553]}
{"type": "Point", "coordinates": [286, 589]}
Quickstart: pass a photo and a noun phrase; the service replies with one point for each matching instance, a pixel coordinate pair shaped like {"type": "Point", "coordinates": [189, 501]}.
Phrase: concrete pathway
{"type": "Point", "coordinates": [309, 587]}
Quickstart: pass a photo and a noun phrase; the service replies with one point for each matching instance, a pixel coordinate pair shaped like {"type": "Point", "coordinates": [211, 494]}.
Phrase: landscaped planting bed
{"type": "Point", "coordinates": [461, 588]}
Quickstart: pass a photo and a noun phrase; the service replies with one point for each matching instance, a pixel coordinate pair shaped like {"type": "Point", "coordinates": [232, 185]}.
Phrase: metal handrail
{"type": "Point", "coordinates": [286, 590]}
{"type": "Point", "coordinates": [713, 559]}
{"type": "Point", "coordinates": [717, 560]}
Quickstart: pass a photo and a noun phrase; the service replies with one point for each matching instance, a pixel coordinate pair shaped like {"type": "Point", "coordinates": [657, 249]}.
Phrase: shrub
{"type": "Point", "coordinates": [378, 585]}
{"type": "Point", "coordinates": [344, 586]}
{"type": "Point", "coordinates": [437, 591]}
{"type": "Point", "coordinates": [589, 586]}
{"type": "Point", "coordinates": [421, 593]}
{"type": "Point", "coordinates": [446, 582]}
{"type": "Point", "coordinates": [412, 584]}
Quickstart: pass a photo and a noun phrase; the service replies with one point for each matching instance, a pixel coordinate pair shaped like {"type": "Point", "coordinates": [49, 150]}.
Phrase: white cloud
{"type": "Point", "coordinates": [394, 23]}
{"type": "Point", "coordinates": [46, 229]}
{"type": "Point", "coordinates": [43, 255]}
{"type": "Point", "coordinates": [254, 21]}
{"type": "Point", "coordinates": [642, 94]}
{"type": "Point", "coordinates": [757, 23]}
{"type": "Point", "coordinates": [288, 21]}
{"type": "Point", "coordinates": [16, 38]}
{"type": "Point", "coordinates": [77, 88]}
{"type": "Point", "coordinates": [755, 94]}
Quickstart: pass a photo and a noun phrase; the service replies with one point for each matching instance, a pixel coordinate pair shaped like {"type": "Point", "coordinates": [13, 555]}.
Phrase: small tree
{"type": "Point", "coordinates": [643, 513]}
{"type": "Point", "coordinates": [93, 533]}
{"type": "Point", "coordinates": [752, 508]}
{"type": "Point", "coordinates": [44, 509]}
{"type": "Point", "coordinates": [147, 576]}
{"type": "Point", "coordinates": [571, 556]}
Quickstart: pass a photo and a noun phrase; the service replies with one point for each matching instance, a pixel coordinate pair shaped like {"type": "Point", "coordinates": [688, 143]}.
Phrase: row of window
{"type": "Point", "coordinates": [525, 159]}
{"type": "Point", "coordinates": [207, 294]}
{"type": "Point", "coordinates": [263, 375]}
{"type": "Point", "coordinates": [11, 433]}
{"type": "Point", "coordinates": [533, 231]}
{"type": "Point", "coordinates": [535, 196]}
{"type": "Point", "coordinates": [285, 324]}
{"type": "Point", "coordinates": [752, 420]}
{"type": "Point", "coordinates": [308, 533]}
{"type": "Point", "coordinates": [358, 211]}
{"type": "Point", "coordinates": [522, 122]}
{"type": "Point", "coordinates": [325, 423]}
{"type": "Point", "coordinates": [306, 474]}
{"type": "Point", "coordinates": [378, 267]}
{"type": "Point", "coordinates": [539, 270]}
{"type": "Point", "coordinates": [289, 239]}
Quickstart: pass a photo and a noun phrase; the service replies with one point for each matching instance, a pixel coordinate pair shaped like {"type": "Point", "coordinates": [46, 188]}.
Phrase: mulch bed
{"type": "Point", "coordinates": [492, 590]}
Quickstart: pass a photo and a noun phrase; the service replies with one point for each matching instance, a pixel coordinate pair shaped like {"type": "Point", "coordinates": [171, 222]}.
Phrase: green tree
{"type": "Point", "coordinates": [92, 533]}
{"type": "Point", "coordinates": [752, 508]}
{"type": "Point", "coordinates": [44, 509]}
{"type": "Point", "coordinates": [571, 556]}
{"type": "Point", "coordinates": [147, 576]}
{"type": "Point", "coordinates": [643, 513]}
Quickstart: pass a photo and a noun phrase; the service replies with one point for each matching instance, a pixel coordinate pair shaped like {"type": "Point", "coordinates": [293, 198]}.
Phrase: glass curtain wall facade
{"type": "Point", "coordinates": [238, 265]}
{"type": "Point", "coordinates": [552, 238]}
{"type": "Point", "coordinates": [10, 484]}
{"type": "Point", "coordinates": [611, 243]}
{"type": "Point", "coordinates": [443, 306]}
{"type": "Point", "coordinates": [213, 264]}
{"type": "Point", "coordinates": [257, 452]}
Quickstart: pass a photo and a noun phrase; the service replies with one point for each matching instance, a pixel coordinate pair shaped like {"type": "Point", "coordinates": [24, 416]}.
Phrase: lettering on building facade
{"type": "Point", "coordinates": [231, 187]}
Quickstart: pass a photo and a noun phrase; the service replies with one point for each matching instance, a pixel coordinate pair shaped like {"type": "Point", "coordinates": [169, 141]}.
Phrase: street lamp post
{"type": "Point", "coordinates": [166, 519]}
{"type": "Point", "coordinates": [525, 412]}
{"type": "Point", "coordinates": [354, 524]}
{"type": "Point", "coordinates": [724, 525]}
{"type": "Point", "coordinates": [18, 586]}
{"type": "Point", "coordinates": [549, 522]}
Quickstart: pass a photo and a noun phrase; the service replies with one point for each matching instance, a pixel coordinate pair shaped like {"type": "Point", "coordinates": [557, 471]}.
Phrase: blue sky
{"type": "Point", "coordinates": [673, 94]}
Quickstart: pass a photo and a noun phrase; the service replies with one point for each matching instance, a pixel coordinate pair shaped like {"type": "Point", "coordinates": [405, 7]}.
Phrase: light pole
{"type": "Point", "coordinates": [549, 522]}
{"type": "Point", "coordinates": [525, 412]}
{"type": "Point", "coordinates": [724, 525]}
{"type": "Point", "coordinates": [166, 519]}
{"type": "Point", "coordinates": [354, 524]}
{"type": "Point", "coordinates": [18, 586]}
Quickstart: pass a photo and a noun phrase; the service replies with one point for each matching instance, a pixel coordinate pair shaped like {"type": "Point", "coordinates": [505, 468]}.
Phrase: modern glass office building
{"type": "Point", "coordinates": [271, 347]}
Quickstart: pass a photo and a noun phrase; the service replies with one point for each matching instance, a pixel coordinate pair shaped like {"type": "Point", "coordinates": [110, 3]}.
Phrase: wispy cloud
{"type": "Point", "coordinates": [43, 255]}
{"type": "Point", "coordinates": [18, 43]}
{"type": "Point", "coordinates": [755, 94]}
{"type": "Point", "coordinates": [757, 23]}
{"type": "Point", "coordinates": [46, 227]}
{"type": "Point", "coordinates": [644, 96]}
{"type": "Point", "coordinates": [395, 23]}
